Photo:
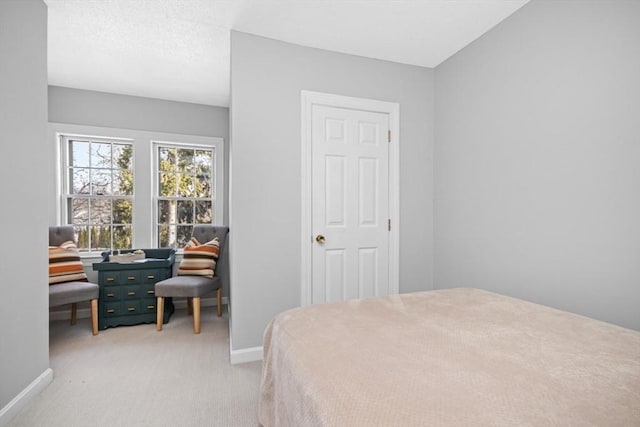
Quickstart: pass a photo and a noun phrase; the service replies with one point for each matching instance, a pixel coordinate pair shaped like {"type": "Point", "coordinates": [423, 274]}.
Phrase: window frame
{"type": "Point", "coordinates": [156, 146]}
{"type": "Point", "coordinates": [66, 193]}
{"type": "Point", "coordinates": [143, 221]}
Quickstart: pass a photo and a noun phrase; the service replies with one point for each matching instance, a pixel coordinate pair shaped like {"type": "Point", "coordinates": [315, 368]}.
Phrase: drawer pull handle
{"type": "Point", "coordinates": [110, 279]}
{"type": "Point", "coordinates": [151, 276]}
{"type": "Point", "coordinates": [151, 307]}
{"type": "Point", "coordinates": [151, 292]}
{"type": "Point", "coordinates": [131, 277]}
{"type": "Point", "coordinates": [111, 310]}
{"type": "Point", "coordinates": [131, 309]}
{"type": "Point", "coordinates": [110, 294]}
{"type": "Point", "coordinates": [131, 293]}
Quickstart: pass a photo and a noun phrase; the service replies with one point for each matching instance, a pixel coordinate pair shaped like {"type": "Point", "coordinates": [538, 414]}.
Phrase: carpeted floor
{"type": "Point", "coordinates": [136, 376]}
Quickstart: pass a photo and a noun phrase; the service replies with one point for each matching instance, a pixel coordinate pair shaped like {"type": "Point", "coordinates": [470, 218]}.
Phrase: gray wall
{"type": "Point", "coordinates": [267, 77]}
{"type": "Point", "coordinates": [85, 107]}
{"type": "Point", "coordinates": [24, 332]}
{"type": "Point", "coordinates": [537, 173]}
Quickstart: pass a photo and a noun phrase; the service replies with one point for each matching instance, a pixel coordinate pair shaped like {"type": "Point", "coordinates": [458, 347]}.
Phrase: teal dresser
{"type": "Point", "coordinates": [127, 295]}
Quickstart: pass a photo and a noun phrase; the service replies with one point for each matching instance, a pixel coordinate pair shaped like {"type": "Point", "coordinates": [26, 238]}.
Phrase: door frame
{"type": "Point", "coordinates": [308, 100]}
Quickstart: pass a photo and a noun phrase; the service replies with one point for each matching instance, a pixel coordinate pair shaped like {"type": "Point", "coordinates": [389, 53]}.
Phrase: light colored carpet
{"type": "Point", "coordinates": [136, 376]}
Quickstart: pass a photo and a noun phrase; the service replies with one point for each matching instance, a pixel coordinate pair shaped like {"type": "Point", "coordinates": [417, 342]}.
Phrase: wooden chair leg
{"type": "Point", "coordinates": [196, 315]}
{"type": "Point", "coordinates": [160, 315]}
{"type": "Point", "coordinates": [94, 316]}
{"type": "Point", "coordinates": [74, 313]}
{"type": "Point", "coordinates": [190, 306]}
{"type": "Point", "coordinates": [219, 298]}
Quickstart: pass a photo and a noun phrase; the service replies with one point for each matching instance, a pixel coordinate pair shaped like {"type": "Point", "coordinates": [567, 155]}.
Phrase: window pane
{"type": "Point", "coordinates": [122, 156]}
{"type": "Point", "coordinates": [79, 153]}
{"type": "Point", "coordinates": [203, 186]}
{"type": "Point", "coordinates": [122, 211]}
{"type": "Point", "coordinates": [185, 212]}
{"type": "Point", "coordinates": [166, 211]}
{"type": "Point", "coordinates": [167, 185]}
{"type": "Point", "coordinates": [122, 237]}
{"type": "Point", "coordinates": [100, 182]}
{"type": "Point", "coordinates": [79, 209]}
{"type": "Point", "coordinates": [203, 160]}
{"type": "Point", "coordinates": [187, 186]}
{"type": "Point", "coordinates": [123, 182]}
{"type": "Point", "coordinates": [100, 237]}
{"type": "Point", "coordinates": [183, 235]}
{"type": "Point", "coordinates": [82, 236]}
{"type": "Point", "coordinates": [185, 161]}
{"type": "Point", "coordinates": [101, 155]}
{"type": "Point", "coordinates": [80, 183]}
{"type": "Point", "coordinates": [167, 161]}
{"type": "Point", "coordinates": [203, 212]}
{"type": "Point", "coordinates": [163, 236]}
{"type": "Point", "coordinates": [100, 211]}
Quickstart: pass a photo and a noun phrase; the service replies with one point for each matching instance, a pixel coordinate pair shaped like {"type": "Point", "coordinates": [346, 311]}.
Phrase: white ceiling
{"type": "Point", "coordinates": [179, 49]}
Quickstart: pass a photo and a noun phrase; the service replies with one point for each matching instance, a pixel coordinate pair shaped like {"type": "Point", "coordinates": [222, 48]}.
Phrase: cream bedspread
{"type": "Point", "coordinates": [458, 357]}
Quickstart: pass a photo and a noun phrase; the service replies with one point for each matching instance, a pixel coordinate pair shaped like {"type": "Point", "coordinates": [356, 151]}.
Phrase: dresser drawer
{"type": "Point", "coordinates": [148, 305]}
{"type": "Point", "coordinates": [111, 293]}
{"type": "Point", "coordinates": [129, 277]}
{"type": "Point", "coordinates": [112, 309]}
{"type": "Point", "coordinates": [120, 277]}
{"type": "Point", "coordinates": [110, 277]}
{"type": "Point", "coordinates": [131, 307]}
{"type": "Point", "coordinates": [134, 291]}
{"type": "Point", "coordinates": [148, 290]}
{"type": "Point", "coordinates": [152, 276]}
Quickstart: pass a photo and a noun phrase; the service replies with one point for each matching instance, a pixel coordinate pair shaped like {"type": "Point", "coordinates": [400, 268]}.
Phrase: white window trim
{"type": "Point", "coordinates": [143, 142]}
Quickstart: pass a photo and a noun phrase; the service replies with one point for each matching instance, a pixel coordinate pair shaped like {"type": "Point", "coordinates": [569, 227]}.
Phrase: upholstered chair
{"type": "Point", "coordinates": [195, 287]}
{"type": "Point", "coordinates": [72, 292]}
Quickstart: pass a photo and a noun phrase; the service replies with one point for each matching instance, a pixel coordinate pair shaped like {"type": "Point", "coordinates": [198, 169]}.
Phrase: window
{"type": "Point", "coordinates": [98, 191]}
{"type": "Point", "coordinates": [99, 170]}
{"type": "Point", "coordinates": [185, 191]}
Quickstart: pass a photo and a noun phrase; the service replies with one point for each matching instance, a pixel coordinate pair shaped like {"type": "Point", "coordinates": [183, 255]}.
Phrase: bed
{"type": "Point", "coordinates": [455, 357]}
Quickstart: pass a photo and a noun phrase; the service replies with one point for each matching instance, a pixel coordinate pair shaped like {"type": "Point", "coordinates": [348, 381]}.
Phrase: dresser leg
{"type": "Point", "coordinates": [160, 315]}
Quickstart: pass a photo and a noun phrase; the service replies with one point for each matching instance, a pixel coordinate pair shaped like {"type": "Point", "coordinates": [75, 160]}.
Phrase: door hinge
{"type": "Point", "coordinates": [388, 136]}
{"type": "Point", "coordinates": [389, 224]}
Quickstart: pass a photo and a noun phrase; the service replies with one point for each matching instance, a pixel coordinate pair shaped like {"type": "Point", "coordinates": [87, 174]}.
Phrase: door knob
{"type": "Point", "coordinates": [320, 239]}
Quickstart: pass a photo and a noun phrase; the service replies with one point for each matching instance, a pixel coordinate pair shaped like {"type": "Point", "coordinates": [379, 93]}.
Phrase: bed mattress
{"type": "Point", "coordinates": [447, 358]}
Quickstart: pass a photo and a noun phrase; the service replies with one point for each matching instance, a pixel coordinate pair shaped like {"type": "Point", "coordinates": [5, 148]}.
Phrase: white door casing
{"type": "Point", "coordinates": [350, 198]}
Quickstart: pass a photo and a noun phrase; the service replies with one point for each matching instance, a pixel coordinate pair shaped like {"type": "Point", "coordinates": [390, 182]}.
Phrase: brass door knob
{"type": "Point", "coordinates": [320, 239]}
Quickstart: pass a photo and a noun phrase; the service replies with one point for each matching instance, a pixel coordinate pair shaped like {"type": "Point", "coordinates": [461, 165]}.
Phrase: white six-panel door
{"type": "Point", "coordinates": [350, 204]}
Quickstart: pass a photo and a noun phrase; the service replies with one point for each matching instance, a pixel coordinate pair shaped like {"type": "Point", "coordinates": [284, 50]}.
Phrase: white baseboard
{"type": "Point", "coordinates": [85, 313]}
{"type": "Point", "coordinates": [20, 401]}
{"type": "Point", "coordinates": [245, 355]}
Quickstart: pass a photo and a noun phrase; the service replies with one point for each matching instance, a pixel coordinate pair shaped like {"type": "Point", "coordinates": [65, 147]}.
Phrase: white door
{"type": "Point", "coordinates": [350, 204]}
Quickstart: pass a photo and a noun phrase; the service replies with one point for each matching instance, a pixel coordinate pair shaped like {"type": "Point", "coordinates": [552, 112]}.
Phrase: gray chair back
{"type": "Point", "coordinates": [60, 234]}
